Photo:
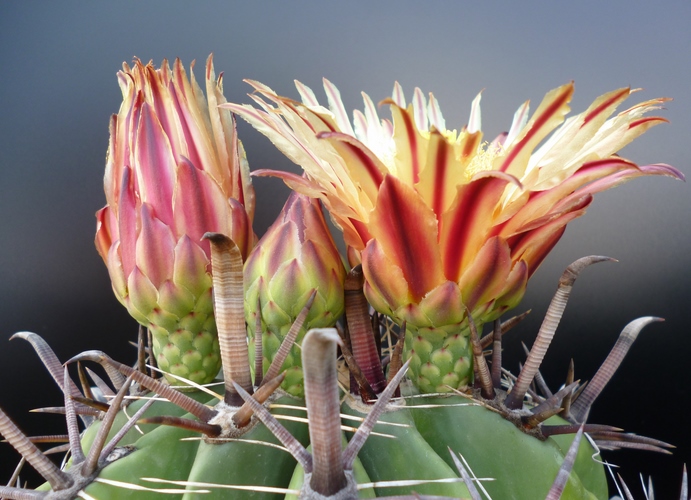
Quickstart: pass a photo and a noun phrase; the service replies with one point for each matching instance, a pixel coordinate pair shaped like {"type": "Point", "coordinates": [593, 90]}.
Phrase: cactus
{"type": "Point", "coordinates": [333, 413]}
{"type": "Point", "coordinates": [240, 456]}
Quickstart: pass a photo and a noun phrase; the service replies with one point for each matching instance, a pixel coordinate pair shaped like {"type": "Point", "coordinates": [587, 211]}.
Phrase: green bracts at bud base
{"type": "Point", "coordinates": [295, 257]}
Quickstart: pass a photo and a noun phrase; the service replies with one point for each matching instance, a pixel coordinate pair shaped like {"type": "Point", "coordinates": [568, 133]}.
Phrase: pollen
{"type": "Point", "coordinates": [484, 159]}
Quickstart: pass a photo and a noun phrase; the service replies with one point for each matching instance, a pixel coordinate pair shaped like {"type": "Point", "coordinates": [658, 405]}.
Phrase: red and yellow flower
{"type": "Point", "coordinates": [443, 221]}
{"type": "Point", "coordinates": [175, 170]}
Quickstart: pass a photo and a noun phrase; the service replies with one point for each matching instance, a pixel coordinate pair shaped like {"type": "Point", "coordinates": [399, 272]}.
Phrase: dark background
{"type": "Point", "coordinates": [58, 89]}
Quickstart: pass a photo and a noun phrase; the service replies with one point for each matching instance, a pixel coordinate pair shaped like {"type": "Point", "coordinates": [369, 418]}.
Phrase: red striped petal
{"type": "Point", "coordinates": [406, 229]}
{"type": "Point", "coordinates": [199, 204]}
{"type": "Point", "coordinates": [466, 225]}
{"type": "Point", "coordinates": [155, 247]}
{"type": "Point", "coordinates": [513, 291]}
{"type": "Point", "coordinates": [534, 244]}
{"type": "Point", "coordinates": [386, 287]}
{"type": "Point", "coordinates": [155, 165]}
{"type": "Point", "coordinates": [605, 106]}
{"type": "Point", "coordinates": [442, 172]}
{"type": "Point", "coordinates": [241, 228]}
{"type": "Point", "coordinates": [484, 279]}
{"type": "Point", "coordinates": [619, 177]}
{"type": "Point", "coordinates": [548, 116]}
{"type": "Point", "coordinates": [411, 148]}
{"type": "Point", "coordinates": [365, 169]}
{"type": "Point", "coordinates": [127, 220]}
{"type": "Point", "coordinates": [542, 202]}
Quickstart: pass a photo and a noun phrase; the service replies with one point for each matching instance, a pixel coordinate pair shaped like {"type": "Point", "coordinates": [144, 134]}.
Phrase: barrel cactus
{"type": "Point", "coordinates": [404, 396]}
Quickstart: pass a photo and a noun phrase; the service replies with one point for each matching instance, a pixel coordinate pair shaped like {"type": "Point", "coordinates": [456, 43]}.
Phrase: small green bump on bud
{"type": "Point", "coordinates": [183, 340]}
{"type": "Point", "coordinates": [191, 358]}
{"type": "Point", "coordinates": [277, 316]}
{"type": "Point", "coordinates": [424, 384]}
{"type": "Point", "coordinates": [171, 352]}
{"type": "Point", "coordinates": [462, 366]}
{"type": "Point", "coordinates": [434, 335]}
{"type": "Point", "coordinates": [205, 304]}
{"type": "Point", "coordinates": [204, 342]}
{"type": "Point", "coordinates": [192, 322]}
{"type": "Point", "coordinates": [443, 359]}
{"type": "Point", "coordinates": [429, 371]}
{"type": "Point", "coordinates": [271, 342]}
{"type": "Point", "coordinates": [457, 344]}
{"type": "Point", "coordinates": [211, 363]}
{"type": "Point", "coordinates": [163, 364]}
{"type": "Point", "coordinates": [198, 376]}
{"type": "Point", "coordinates": [180, 370]}
{"type": "Point", "coordinates": [450, 379]}
{"type": "Point", "coordinates": [423, 347]}
{"type": "Point", "coordinates": [415, 361]}
{"type": "Point", "coordinates": [176, 300]}
{"type": "Point", "coordinates": [293, 383]}
{"type": "Point", "coordinates": [210, 326]}
{"type": "Point", "coordinates": [164, 319]}
{"type": "Point", "coordinates": [291, 357]}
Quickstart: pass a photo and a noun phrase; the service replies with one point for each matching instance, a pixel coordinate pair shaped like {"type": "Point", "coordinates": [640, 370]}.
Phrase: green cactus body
{"type": "Point", "coordinates": [521, 465]}
{"type": "Point", "coordinates": [174, 454]}
{"type": "Point", "coordinates": [410, 443]}
{"type": "Point", "coordinates": [359, 472]}
{"type": "Point", "coordinates": [403, 455]}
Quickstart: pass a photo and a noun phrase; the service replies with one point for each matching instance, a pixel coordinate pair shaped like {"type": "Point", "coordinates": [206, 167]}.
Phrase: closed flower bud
{"type": "Point", "coordinates": [174, 171]}
{"type": "Point", "coordinates": [296, 256]}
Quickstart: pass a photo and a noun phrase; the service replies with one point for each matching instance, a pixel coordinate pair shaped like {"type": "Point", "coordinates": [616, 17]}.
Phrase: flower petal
{"type": "Point", "coordinates": [466, 225]}
{"type": "Point", "coordinates": [385, 284]}
{"type": "Point", "coordinates": [154, 248]}
{"type": "Point", "coordinates": [411, 148]}
{"type": "Point", "coordinates": [406, 229]}
{"type": "Point", "coordinates": [548, 116]}
{"type": "Point", "coordinates": [199, 205]}
{"type": "Point", "coordinates": [191, 267]}
{"type": "Point", "coordinates": [366, 170]}
{"type": "Point", "coordinates": [106, 224]}
{"type": "Point", "coordinates": [155, 165]}
{"type": "Point", "coordinates": [533, 245]}
{"type": "Point", "coordinates": [444, 305]}
{"type": "Point", "coordinates": [127, 220]}
{"type": "Point", "coordinates": [485, 277]}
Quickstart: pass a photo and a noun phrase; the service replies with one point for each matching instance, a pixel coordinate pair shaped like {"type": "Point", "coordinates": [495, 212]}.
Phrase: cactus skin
{"type": "Point", "coordinates": [387, 459]}
{"type": "Point", "coordinates": [163, 453]}
{"type": "Point", "coordinates": [523, 465]}
{"type": "Point", "coordinates": [491, 445]}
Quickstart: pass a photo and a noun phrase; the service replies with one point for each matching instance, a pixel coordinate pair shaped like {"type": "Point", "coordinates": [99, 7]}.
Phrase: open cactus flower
{"type": "Point", "coordinates": [377, 382]}
{"type": "Point", "coordinates": [443, 221]}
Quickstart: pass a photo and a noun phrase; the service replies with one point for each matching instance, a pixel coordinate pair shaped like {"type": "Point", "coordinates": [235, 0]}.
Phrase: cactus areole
{"type": "Point", "coordinates": [403, 396]}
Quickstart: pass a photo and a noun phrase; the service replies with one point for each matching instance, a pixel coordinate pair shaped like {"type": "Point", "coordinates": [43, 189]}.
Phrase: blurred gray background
{"type": "Point", "coordinates": [58, 90]}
